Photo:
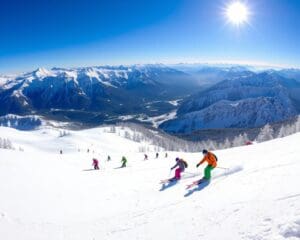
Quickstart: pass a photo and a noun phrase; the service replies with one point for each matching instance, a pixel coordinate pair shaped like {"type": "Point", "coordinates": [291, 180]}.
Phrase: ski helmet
{"type": "Point", "coordinates": [204, 151]}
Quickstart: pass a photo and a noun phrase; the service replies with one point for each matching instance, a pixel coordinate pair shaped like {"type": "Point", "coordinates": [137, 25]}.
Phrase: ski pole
{"type": "Point", "coordinates": [170, 172]}
{"type": "Point", "coordinates": [191, 173]}
{"type": "Point", "coordinates": [223, 168]}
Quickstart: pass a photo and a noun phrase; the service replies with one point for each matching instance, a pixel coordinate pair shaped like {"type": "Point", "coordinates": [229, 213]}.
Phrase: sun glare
{"type": "Point", "coordinates": [237, 13]}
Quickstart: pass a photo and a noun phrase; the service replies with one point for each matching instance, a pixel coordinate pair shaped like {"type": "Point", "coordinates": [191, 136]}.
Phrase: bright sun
{"type": "Point", "coordinates": [237, 13]}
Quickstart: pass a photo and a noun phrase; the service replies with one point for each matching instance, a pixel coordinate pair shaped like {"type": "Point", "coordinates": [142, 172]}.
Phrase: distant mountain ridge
{"type": "Point", "coordinates": [244, 102]}
{"type": "Point", "coordinates": [106, 90]}
{"type": "Point", "coordinates": [210, 74]}
{"type": "Point", "coordinates": [181, 98]}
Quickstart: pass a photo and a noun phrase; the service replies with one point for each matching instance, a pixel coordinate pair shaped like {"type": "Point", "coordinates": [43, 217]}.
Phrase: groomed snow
{"type": "Point", "coordinates": [45, 195]}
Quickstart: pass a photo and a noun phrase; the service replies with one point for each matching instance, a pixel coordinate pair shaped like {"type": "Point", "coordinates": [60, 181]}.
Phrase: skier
{"type": "Point", "coordinates": [124, 162]}
{"type": "Point", "coordinates": [61, 151]}
{"type": "Point", "coordinates": [145, 157]}
{"type": "Point", "coordinates": [181, 166]}
{"type": "Point", "coordinates": [95, 164]}
{"type": "Point", "coordinates": [166, 155]}
{"type": "Point", "coordinates": [211, 160]}
{"type": "Point", "coordinates": [108, 158]}
{"type": "Point", "coordinates": [157, 155]}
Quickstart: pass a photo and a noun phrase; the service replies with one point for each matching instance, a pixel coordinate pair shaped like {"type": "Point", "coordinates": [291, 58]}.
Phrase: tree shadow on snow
{"type": "Point", "coordinates": [197, 188]}
{"type": "Point", "coordinates": [168, 185]}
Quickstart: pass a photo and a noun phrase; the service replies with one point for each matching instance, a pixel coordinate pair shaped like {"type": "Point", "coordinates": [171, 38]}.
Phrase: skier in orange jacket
{"type": "Point", "coordinates": [211, 160]}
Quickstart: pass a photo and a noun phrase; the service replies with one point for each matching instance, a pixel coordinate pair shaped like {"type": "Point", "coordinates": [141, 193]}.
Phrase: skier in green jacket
{"type": "Point", "coordinates": [124, 162]}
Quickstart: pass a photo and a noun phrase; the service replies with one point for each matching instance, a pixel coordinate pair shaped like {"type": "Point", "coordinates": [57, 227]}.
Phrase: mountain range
{"type": "Point", "coordinates": [94, 93]}
{"type": "Point", "coordinates": [247, 101]}
{"type": "Point", "coordinates": [182, 98]}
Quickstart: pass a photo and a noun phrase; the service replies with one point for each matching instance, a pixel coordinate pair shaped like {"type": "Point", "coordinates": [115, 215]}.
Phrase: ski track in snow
{"type": "Point", "coordinates": [45, 195]}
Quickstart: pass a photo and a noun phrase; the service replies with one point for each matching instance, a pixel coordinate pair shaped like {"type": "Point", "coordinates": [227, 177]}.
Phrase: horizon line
{"type": "Point", "coordinates": [262, 65]}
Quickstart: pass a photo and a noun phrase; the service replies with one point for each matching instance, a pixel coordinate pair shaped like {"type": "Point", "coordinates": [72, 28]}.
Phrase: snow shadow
{"type": "Point", "coordinates": [120, 167]}
{"type": "Point", "coordinates": [168, 185]}
{"type": "Point", "coordinates": [90, 169]}
{"type": "Point", "coordinates": [226, 172]}
{"type": "Point", "coordinates": [187, 175]}
{"type": "Point", "coordinates": [197, 189]}
{"type": "Point", "coordinates": [229, 171]}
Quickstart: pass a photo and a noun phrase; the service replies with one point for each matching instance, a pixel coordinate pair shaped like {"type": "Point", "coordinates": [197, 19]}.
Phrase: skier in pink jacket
{"type": "Point", "coordinates": [95, 164]}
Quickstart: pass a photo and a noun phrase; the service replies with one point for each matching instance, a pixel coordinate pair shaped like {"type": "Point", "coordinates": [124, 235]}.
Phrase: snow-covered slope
{"type": "Point", "coordinates": [45, 195]}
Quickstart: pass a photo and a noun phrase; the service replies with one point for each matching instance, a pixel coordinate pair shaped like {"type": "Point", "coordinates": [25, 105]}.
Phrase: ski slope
{"type": "Point", "coordinates": [45, 195]}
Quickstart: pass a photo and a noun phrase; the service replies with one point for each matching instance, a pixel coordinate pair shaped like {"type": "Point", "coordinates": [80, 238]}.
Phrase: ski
{"type": "Point", "coordinates": [192, 184]}
{"type": "Point", "coordinates": [195, 183]}
{"type": "Point", "coordinates": [166, 180]}
{"type": "Point", "coordinates": [198, 182]}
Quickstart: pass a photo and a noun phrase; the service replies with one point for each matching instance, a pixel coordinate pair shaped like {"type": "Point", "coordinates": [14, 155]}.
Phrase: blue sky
{"type": "Point", "coordinates": [69, 33]}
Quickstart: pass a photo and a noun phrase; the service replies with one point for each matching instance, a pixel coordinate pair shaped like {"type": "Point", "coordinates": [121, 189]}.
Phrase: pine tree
{"type": "Point", "coordinates": [265, 134]}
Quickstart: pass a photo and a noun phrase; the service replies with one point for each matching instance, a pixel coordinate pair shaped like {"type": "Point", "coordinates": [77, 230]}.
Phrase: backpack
{"type": "Point", "coordinates": [185, 163]}
{"type": "Point", "coordinates": [215, 157]}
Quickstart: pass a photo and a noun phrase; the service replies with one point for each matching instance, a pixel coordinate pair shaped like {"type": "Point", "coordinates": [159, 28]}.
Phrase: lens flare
{"type": "Point", "coordinates": [237, 13]}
